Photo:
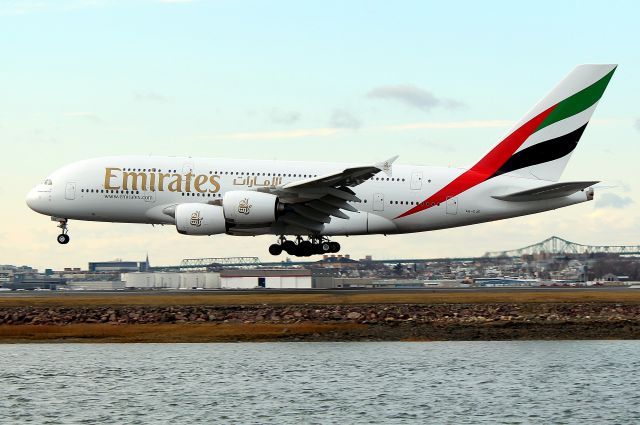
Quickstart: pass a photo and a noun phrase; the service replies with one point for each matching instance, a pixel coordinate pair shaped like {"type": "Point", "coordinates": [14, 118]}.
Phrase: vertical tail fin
{"type": "Point", "coordinates": [540, 144]}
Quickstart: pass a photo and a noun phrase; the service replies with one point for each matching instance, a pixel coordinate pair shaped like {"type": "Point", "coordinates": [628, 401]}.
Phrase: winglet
{"type": "Point", "coordinates": [387, 166]}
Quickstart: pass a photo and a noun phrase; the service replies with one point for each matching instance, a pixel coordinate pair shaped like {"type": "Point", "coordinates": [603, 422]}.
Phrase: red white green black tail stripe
{"type": "Point", "coordinates": [540, 144]}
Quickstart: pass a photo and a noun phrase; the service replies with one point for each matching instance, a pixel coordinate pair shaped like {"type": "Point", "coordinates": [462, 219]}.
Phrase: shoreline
{"type": "Point", "coordinates": [483, 316]}
{"type": "Point", "coordinates": [313, 332]}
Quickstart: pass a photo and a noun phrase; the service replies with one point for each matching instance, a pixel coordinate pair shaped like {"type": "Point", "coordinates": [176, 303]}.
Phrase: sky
{"type": "Point", "coordinates": [437, 83]}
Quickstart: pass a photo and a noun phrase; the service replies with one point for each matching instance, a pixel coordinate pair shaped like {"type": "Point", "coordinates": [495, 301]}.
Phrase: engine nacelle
{"type": "Point", "coordinates": [200, 219]}
{"type": "Point", "coordinates": [248, 207]}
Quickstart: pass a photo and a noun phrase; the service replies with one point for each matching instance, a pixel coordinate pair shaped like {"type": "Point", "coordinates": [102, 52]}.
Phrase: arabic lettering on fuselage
{"type": "Point", "coordinates": [251, 181]}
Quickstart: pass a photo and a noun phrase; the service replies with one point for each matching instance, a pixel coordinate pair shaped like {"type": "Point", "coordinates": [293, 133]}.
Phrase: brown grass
{"type": "Point", "coordinates": [206, 332]}
{"type": "Point", "coordinates": [336, 298]}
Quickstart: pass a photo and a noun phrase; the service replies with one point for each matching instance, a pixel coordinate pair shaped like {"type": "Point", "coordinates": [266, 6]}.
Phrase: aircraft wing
{"type": "Point", "coordinates": [556, 190]}
{"type": "Point", "coordinates": [312, 202]}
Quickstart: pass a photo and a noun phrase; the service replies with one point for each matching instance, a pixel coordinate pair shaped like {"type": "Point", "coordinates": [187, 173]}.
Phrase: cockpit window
{"type": "Point", "coordinates": [48, 182]}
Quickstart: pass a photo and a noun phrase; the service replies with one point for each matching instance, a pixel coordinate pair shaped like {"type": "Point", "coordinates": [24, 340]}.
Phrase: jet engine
{"type": "Point", "coordinates": [200, 219]}
{"type": "Point", "coordinates": [248, 207]}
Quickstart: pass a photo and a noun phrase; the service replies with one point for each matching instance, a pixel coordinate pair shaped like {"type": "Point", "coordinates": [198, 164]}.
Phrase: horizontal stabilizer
{"type": "Point", "coordinates": [556, 190]}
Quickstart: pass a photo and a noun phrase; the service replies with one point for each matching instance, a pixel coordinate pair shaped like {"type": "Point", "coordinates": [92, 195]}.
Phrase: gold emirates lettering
{"type": "Point", "coordinates": [116, 179]}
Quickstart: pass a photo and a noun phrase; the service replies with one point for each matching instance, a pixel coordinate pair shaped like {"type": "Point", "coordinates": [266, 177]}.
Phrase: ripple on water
{"type": "Point", "coordinates": [290, 383]}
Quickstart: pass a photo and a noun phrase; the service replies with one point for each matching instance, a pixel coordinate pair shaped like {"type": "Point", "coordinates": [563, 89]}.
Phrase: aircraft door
{"type": "Point", "coordinates": [70, 191]}
{"type": "Point", "coordinates": [452, 205]}
{"type": "Point", "coordinates": [378, 202]}
{"type": "Point", "coordinates": [416, 180]}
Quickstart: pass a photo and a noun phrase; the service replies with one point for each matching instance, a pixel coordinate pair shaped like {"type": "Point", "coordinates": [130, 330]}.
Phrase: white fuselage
{"type": "Point", "coordinates": [138, 189]}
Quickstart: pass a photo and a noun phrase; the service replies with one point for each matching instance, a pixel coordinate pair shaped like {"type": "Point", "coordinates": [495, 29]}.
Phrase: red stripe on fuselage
{"type": "Point", "coordinates": [486, 167]}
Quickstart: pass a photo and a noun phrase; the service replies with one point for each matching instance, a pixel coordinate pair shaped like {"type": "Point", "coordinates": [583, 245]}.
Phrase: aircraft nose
{"type": "Point", "coordinates": [31, 197]}
{"type": "Point", "coordinates": [33, 200]}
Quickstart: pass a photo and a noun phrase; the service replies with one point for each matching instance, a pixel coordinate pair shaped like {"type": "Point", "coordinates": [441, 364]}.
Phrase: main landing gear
{"type": "Point", "coordinates": [304, 248]}
{"type": "Point", "coordinates": [63, 238]}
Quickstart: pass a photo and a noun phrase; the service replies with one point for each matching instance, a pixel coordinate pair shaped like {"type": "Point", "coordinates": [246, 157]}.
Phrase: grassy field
{"type": "Point", "coordinates": [205, 332]}
{"type": "Point", "coordinates": [336, 298]}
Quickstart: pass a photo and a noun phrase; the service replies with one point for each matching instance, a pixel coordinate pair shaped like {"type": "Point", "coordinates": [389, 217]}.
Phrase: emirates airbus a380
{"type": "Point", "coordinates": [305, 203]}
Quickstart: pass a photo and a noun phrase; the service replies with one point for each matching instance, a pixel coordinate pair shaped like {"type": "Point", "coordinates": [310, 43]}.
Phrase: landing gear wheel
{"type": "Point", "coordinates": [63, 238]}
{"type": "Point", "coordinates": [289, 247]}
{"type": "Point", "coordinates": [305, 249]}
{"type": "Point", "coordinates": [275, 249]}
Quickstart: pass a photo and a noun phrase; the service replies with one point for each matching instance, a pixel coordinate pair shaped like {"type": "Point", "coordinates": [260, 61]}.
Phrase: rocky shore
{"type": "Point", "coordinates": [448, 321]}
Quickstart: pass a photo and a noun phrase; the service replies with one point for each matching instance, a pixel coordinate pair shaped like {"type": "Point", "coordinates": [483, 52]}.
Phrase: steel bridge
{"type": "Point", "coordinates": [252, 262]}
{"type": "Point", "coordinates": [553, 245]}
{"type": "Point", "coordinates": [559, 246]}
{"type": "Point", "coordinates": [191, 263]}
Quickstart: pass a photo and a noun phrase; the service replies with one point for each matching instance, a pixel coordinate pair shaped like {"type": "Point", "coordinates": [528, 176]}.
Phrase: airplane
{"type": "Point", "coordinates": [304, 204]}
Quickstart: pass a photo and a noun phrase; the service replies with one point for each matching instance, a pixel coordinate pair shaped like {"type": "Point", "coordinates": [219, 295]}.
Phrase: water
{"type": "Point", "coordinates": [323, 383]}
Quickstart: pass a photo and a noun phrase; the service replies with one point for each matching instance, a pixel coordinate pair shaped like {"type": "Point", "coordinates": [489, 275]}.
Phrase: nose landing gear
{"type": "Point", "coordinates": [63, 238]}
{"type": "Point", "coordinates": [304, 248]}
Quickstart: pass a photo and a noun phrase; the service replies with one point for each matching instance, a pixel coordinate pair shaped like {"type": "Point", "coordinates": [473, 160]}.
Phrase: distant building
{"type": "Point", "coordinates": [119, 266]}
{"type": "Point", "coordinates": [171, 280]}
{"type": "Point", "coordinates": [35, 282]}
{"type": "Point", "coordinates": [610, 277]}
{"type": "Point", "coordinates": [260, 278]}
{"type": "Point", "coordinates": [338, 262]}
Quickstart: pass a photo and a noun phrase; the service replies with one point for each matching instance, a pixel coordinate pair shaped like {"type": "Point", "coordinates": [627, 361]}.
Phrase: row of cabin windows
{"type": "Point", "coordinates": [242, 173]}
{"type": "Point", "coordinates": [232, 173]}
{"type": "Point", "coordinates": [213, 195]}
{"type": "Point", "coordinates": [209, 195]}
{"type": "Point", "coordinates": [389, 179]}
{"type": "Point", "coordinates": [204, 195]}
{"type": "Point", "coordinates": [131, 192]}
{"type": "Point", "coordinates": [428, 204]}
{"type": "Point", "coordinates": [151, 170]}
{"type": "Point", "coordinates": [137, 192]}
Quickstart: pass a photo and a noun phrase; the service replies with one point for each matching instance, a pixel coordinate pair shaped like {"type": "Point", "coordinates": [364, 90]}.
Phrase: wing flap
{"type": "Point", "coordinates": [338, 203]}
{"type": "Point", "coordinates": [327, 209]}
{"type": "Point", "coordinates": [311, 213]}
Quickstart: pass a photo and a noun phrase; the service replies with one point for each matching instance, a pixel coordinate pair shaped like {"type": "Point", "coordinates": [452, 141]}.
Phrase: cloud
{"type": "Point", "coordinates": [149, 96]}
{"type": "Point", "coordinates": [279, 116]}
{"type": "Point", "coordinates": [413, 96]}
{"type": "Point", "coordinates": [89, 116]}
{"type": "Point", "coordinates": [341, 118]}
{"type": "Point", "coordinates": [275, 135]}
{"type": "Point", "coordinates": [611, 200]}
{"type": "Point", "coordinates": [450, 124]}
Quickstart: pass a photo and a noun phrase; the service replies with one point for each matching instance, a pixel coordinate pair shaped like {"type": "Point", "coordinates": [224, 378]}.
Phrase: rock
{"type": "Point", "coordinates": [354, 315]}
